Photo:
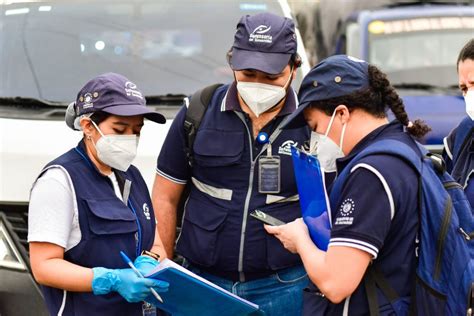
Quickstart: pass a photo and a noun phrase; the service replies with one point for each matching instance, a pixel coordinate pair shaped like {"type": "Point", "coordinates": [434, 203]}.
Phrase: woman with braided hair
{"type": "Point", "coordinates": [345, 102]}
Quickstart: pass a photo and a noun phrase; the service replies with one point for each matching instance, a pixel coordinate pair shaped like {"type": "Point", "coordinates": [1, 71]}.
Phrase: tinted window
{"type": "Point", "coordinates": [50, 49]}
{"type": "Point", "coordinates": [420, 50]}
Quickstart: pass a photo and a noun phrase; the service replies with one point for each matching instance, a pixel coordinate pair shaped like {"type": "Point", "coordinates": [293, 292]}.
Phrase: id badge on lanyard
{"type": "Point", "coordinates": [269, 173]}
{"type": "Point", "coordinates": [148, 309]}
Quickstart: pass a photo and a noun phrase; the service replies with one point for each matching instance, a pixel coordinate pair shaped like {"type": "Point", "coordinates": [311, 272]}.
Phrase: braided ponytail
{"type": "Point", "coordinates": [389, 97]}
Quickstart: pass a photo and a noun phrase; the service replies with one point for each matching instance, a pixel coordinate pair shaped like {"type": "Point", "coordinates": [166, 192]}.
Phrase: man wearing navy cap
{"type": "Point", "coordinates": [241, 163]}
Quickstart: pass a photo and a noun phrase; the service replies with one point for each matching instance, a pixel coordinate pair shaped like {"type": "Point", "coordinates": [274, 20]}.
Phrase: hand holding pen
{"type": "Point", "coordinates": [129, 283]}
{"type": "Point", "coordinates": [129, 262]}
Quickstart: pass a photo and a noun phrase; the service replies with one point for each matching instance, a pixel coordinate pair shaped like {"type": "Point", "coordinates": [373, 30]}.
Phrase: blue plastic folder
{"type": "Point", "coordinates": [313, 197]}
{"type": "Point", "coordinates": [190, 294]}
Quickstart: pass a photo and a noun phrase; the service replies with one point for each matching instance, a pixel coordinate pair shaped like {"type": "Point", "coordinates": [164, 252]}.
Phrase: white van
{"type": "Point", "coordinates": [50, 49]}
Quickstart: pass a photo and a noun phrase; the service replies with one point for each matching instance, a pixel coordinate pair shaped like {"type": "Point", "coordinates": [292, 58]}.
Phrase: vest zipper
{"type": "Point", "coordinates": [442, 235]}
{"type": "Point", "coordinates": [272, 137]}
{"type": "Point", "coordinates": [247, 203]}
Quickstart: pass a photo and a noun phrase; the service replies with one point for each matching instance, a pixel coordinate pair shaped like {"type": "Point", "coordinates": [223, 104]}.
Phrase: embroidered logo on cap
{"type": "Point", "coordinates": [87, 101]}
{"type": "Point", "coordinates": [258, 35]}
{"type": "Point", "coordinates": [131, 90]}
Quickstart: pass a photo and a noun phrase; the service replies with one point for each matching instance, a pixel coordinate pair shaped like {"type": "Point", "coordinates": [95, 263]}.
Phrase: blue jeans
{"type": "Point", "coordinates": [280, 294]}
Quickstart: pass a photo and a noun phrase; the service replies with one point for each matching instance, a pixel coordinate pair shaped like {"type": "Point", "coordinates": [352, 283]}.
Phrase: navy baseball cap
{"type": "Point", "coordinates": [113, 93]}
{"type": "Point", "coordinates": [263, 42]}
{"type": "Point", "coordinates": [333, 77]}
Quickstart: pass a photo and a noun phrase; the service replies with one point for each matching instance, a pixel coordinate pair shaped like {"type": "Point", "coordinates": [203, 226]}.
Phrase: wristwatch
{"type": "Point", "coordinates": [150, 254]}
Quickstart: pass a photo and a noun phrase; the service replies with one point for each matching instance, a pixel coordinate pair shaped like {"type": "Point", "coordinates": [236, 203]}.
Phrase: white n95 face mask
{"type": "Point", "coordinates": [260, 97]}
{"type": "Point", "coordinates": [469, 99]}
{"type": "Point", "coordinates": [116, 151]}
{"type": "Point", "coordinates": [325, 149]}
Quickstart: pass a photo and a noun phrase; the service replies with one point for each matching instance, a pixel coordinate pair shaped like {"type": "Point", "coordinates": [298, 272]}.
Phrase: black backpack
{"type": "Point", "coordinates": [196, 109]}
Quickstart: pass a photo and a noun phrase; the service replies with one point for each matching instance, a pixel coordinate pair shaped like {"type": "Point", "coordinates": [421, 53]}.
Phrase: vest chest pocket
{"type": "Point", "coordinates": [110, 216]}
{"type": "Point", "coordinates": [215, 148]}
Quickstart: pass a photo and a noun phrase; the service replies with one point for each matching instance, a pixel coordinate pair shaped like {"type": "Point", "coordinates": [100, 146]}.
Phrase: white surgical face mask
{"type": "Point", "coordinates": [326, 150]}
{"type": "Point", "coordinates": [116, 151]}
{"type": "Point", "coordinates": [469, 99]}
{"type": "Point", "coordinates": [260, 97]}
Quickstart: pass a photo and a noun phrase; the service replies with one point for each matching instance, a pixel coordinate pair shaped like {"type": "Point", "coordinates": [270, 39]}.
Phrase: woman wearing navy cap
{"type": "Point", "coordinates": [90, 203]}
{"type": "Point", "coordinates": [344, 100]}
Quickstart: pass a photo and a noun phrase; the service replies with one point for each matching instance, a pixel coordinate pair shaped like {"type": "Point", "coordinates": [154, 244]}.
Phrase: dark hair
{"type": "Point", "coordinates": [467, 52]}
{"type": "Point", "coordinates": [295, 60]}
{"type": "Point", "coordinates": [99, 116]}
{"type": "Point", "coordinates": [376, 100]}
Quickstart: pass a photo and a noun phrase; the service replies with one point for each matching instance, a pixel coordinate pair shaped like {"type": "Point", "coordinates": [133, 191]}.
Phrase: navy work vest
{"type": "Point", "coordinates": [107, 226]}
{"type": "Point", "coordinates": [217, 233]}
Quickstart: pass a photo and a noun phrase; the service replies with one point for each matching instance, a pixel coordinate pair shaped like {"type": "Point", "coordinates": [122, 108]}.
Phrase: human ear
{"type": "Point", "coordinates": [343, 113]}
{"type": "Point", "coordinates": [87, 127]}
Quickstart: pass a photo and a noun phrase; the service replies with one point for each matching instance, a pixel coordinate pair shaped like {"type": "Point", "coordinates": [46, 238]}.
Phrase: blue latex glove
{"type": "Point", "coordinates": [126, 283]}
{"type": "Point", "coordinates": [145, 264]}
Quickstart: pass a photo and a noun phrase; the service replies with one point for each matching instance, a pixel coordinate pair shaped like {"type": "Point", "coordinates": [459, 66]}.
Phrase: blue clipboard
{"type": "Point", "coordinates": [314, 202]}
{"type": "Point", "coordinates": [190, 294]}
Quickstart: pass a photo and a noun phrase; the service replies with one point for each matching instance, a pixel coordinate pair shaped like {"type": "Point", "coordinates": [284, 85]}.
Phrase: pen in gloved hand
{"type": "Point", "coordinates": [130, 264]}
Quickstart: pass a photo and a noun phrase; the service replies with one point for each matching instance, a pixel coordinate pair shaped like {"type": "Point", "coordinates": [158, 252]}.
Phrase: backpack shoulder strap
{"type": "Point", "coordinates": [373, 278]}
{"type": "Point", "coordinates": [386, 146]}
{"type": "Point", "coordinates": [399, 149]}
{"type": "Point", "coordinates": [197, 108]}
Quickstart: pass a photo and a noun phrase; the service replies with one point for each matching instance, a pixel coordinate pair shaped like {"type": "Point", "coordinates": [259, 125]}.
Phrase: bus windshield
{"type": "Point", "coordinates": [51, 48]}
{"type": "Point", "coordinates": [419, 50]}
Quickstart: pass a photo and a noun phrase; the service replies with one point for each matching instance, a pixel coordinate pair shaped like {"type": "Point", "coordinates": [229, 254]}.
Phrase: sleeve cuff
{"type": "Point", "coordinates": [172, 179]}
{"type": "Point", "coordinates": [48, 239]}
{"type": "Point", "coordinates": [354, 243]}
